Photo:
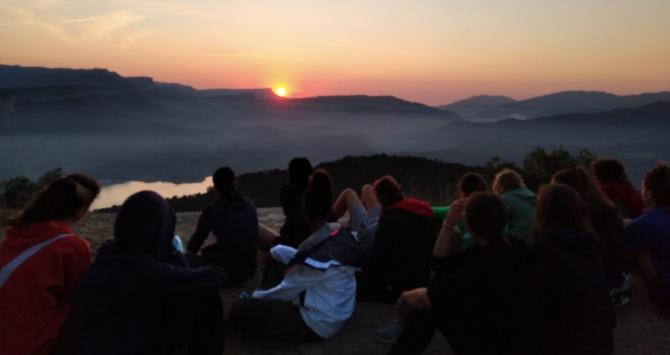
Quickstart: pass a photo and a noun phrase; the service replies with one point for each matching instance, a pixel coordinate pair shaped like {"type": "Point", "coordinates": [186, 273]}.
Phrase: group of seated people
{"type": "Point", "coordinates": [499, 271]}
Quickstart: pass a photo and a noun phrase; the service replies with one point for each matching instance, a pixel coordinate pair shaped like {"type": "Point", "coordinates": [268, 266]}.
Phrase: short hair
{"type": "Point", "coordinates": [507, 180]}
{"type": "Point", "coordinates": [388, 190]}
{"type": "Point", "coordinates": [485, 216]}
{"type": "Point", "coordinates": [657, 181]}
{"type": "Point", "coordinates": [470, 183]}
{"type": "Point", "coordinates": [608, 170]}
{"type": "Point", "coordinates": [299, 170]}
{"type": "Point", "coordinates": [224, 179]}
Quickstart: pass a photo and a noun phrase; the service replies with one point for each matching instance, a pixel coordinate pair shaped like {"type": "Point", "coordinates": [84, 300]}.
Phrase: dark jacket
{"type": "Point", "coordinates": [401, 254]}
{"type": "Point", "coordinates": [234, 222]}
{"type": "Point", "coordinates": [489, 306]}
{"type": "Point", "coordinates": [118, 304]}
{"type": "Point", "coordinates": [294, 230]}
{"type": "Point", "coordinates": [575, 309]}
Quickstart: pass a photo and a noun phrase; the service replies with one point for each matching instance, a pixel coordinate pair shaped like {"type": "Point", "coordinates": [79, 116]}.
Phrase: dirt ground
{"type": "Point", "coordinates": [638, 331]}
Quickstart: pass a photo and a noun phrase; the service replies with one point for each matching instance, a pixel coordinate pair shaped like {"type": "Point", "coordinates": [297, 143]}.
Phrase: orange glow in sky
{"type": "Point", "coordinates": [430, 51]}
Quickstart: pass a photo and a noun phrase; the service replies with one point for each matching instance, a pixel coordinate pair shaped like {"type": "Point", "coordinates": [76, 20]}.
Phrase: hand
{"type": "Point", "coordinates": [408, 301]}
{"type": "Point", "coordinates": [456, 213]}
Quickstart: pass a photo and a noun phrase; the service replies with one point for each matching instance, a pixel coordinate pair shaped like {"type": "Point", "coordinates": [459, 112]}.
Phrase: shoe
{"type": "Point", "coordinates": [389, 332]}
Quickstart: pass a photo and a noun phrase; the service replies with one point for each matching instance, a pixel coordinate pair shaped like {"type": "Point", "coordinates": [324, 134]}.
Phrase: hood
{"type": "Point", "coordinates": [145, 223]}
{"type": "Point", "coordinates": [232, 200]}
{"type": "Point", "coordinates": [21, 237]}
{"type": "Point", "coordinates": [415, 206]}
{"type": "Point", "coordinates": [573, 240]}
{"type": "Point", "coordinates": [523, 194]}
{"type": "Point", "coordinates": [329, 246]}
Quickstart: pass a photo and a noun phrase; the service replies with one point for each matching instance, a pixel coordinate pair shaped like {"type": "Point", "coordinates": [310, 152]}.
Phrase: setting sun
{"type": "Point", "coordinates": [281, 91]}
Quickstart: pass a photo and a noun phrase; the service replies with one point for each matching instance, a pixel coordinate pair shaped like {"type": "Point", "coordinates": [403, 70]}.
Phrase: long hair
{"type": "Point", "coordinates": [318, 198]}
{"type": "Point", "coordinates": [388, 190]}
{"type": "Point", "coordinates": [559, 207]}
{"type": "Point", "coordinates": [485, 216]}
{"type": "Point", "coordinates": [61, 199]}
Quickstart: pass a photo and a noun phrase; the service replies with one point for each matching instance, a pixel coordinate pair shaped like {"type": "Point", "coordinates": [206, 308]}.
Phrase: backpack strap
{"type": "Point", "coordinates": [8, 269]}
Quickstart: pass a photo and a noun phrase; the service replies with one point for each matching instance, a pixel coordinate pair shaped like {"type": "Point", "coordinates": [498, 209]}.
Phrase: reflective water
{"type": "Point", "coordinates": [115, 194]}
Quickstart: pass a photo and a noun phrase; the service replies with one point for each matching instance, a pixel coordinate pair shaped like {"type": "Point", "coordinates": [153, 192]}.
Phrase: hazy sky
{"type": "Point", "coordinates": [429, 51]}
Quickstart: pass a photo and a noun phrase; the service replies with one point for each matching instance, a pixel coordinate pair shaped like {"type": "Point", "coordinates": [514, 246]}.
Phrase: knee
{"type": "Point", "coordinates": [367, 190]}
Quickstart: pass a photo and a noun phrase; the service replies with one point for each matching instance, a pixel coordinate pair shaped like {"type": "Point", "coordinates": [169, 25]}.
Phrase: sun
{"type": "Point", "coordinates": [281, 91]}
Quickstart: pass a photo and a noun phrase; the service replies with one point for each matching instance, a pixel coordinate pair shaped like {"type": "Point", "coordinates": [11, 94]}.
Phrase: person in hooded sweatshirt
{"type": "Point", "coordinates": [318, 293]}
{"type": "Point", "coordinates": [614, 182]}
{"type": "Point", "coordinates": [41, 262]}
{"type": "Point", "coordinates": [486, 307]}
{"type": "Point", "coordinates": [234, 222]}
{"type": "Point", "coordinates": [519, 203]}
{"type": "Point", "coordinates": [134, 301]}
{"type": "Point", "coordinates": [575, 311]}
{"type": "Point", "coordinates": [400, 256]}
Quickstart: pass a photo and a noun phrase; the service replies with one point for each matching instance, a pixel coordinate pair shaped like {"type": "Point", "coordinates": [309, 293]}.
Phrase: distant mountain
{"type": "Point", "coordinates": [473, 105]}
{"type": "Point", "coordinates": [364, 104]}
{"type": "Point", "coordinates": [566, 102]}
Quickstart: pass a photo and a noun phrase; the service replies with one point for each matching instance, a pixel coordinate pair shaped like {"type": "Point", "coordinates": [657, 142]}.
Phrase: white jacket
{"type": "Point", "coordinates": [330, 295]}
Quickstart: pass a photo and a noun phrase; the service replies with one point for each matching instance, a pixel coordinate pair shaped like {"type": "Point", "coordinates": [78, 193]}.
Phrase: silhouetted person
{"type": "Point", "coordinates": [234, 222]}
{"type": "Point", "coordinates": [294, 230]}
{"type": "Point", "coordinates": [42, 261]}
{"type": "Point", "coordinates": [614, 183]}
{"type": "Point", "coordinates": [487, 307]}
{"type": "Point", "coordinates": [608, 225]}
{"type": "Point", "coordinates": [399, 258]}
{"type": "Point", "coordinates": [649, 237]}
{"type": "Point", "coordinates": [134, 301]}
{"type": "Point", "coordinates": [575, 312]}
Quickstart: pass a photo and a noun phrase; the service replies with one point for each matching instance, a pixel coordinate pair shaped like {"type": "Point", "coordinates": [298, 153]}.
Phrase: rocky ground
{"type": "Point", "coordinates": [638, 331]}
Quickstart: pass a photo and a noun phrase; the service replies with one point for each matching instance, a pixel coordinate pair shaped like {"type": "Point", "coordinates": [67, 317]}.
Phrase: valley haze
{"type": "Point", "coordinates": [120, 129]}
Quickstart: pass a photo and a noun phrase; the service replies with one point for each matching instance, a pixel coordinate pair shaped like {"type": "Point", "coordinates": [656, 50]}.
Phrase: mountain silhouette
{"type": "Point", "coordinates": [473, 105]}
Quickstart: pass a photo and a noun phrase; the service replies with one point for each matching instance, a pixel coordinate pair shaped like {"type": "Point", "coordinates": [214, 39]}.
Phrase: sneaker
{"type": "Point", "coordinates": [389, 332]}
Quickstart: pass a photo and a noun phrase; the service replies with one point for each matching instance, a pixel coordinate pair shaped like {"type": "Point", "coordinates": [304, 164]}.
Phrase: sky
{"type": "Point", "coordinates": [430, 51]}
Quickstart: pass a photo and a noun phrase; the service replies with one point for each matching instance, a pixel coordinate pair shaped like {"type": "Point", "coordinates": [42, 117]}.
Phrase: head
{"type": "Point", "coordinates": [656, 187]}
{"type": "Point", "coordinates": [299, 170]}
{"type": "Point", "coordinates": [145, 223]}
{"type": "Point", "coordinates": [66, 199]}
{"type": "Point", "coordinates": [507, 180]}
{"type": "Point", "coordinates": [584, 184]}
{"type": "Point", "coordinates": [224, 180]}
{"type": "Point", "coordinates": [318, 199]}
{"type": "Point", "coordinates": [559, 207]}
{"type": "Point", "coordinates": [485, 217]}
{"type": "Point", "coordinates": [471, 183]}
{"type": "Point", "coordinates": [388, 190]}
{"type": "Point", "coordinates": [608, 171]}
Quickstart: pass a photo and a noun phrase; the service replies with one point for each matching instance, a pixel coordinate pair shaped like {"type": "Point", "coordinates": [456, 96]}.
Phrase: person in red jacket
{"type": "Point", "coordinates": [41, 262]}
{"type": "Point", "coordinates": [614, 183]}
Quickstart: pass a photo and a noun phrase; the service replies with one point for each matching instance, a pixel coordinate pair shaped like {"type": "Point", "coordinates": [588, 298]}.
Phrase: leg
{"type": "Point", "coordinates": [416, 335]}
{"type": "Point", "coordinates": [273, 274]}
{"type": "Point", "coordinates": [369, 198]}
{"type": "Point", "coordinates": [270, 318]}
{"type": "Point", "coordinates": [266, 236]}
{"type": "Point", "coordinates": [345, 203]}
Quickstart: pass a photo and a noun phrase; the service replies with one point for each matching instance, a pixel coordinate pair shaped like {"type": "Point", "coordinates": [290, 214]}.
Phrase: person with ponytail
{"type": "Point", "coordinates": [649, 237]}
{"type": "Point", "coordinates": [318, 293]}
{"type": "Point", "coordinates": [41, 263]}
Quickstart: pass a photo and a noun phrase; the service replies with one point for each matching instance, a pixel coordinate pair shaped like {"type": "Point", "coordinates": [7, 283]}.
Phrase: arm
{"type": "Point", "coordinates": [201, 233]}
{"type": "Point", "coordinates": [409, 301]}
{"type": "Point", "coordinates": [446, 240]}
{"type": "Point", "coordinates": [172, 282]}
{"type": "Point", "coordinates": [75, 266]}
{"type": "Point", "coordinates": [298, 279]}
